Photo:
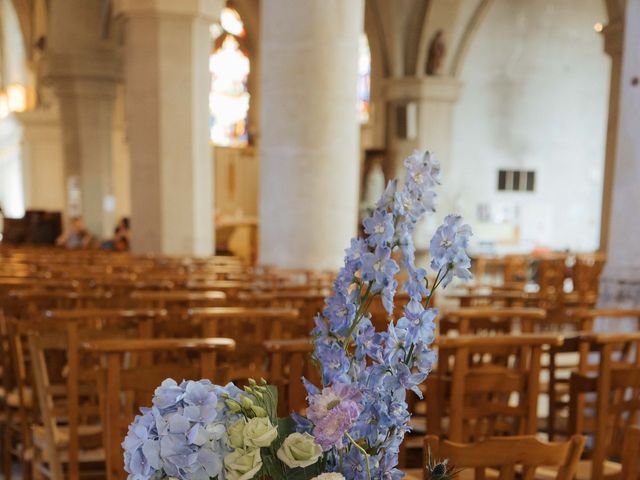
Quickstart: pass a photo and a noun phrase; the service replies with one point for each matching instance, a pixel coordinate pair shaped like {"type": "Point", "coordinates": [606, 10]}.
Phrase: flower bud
{"type": "Point", "coordinates": [233, 406]}
{"type": "Point", "coordinates": [246, 402]}
{"type": "Point", "coordinates": [258, 411]}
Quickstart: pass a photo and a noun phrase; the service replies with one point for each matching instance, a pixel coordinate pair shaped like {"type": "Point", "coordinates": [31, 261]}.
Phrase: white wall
{"type": "Point", "coordinates": [535, 96]}
{"type": "Point", "coordinates": [13, 70]}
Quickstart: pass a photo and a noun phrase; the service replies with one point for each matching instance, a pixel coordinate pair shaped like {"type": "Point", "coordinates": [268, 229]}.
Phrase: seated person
{"type": "Point", "coordinates": [120, 240]}
{"type": "Point", "coordinates": [76, 236]}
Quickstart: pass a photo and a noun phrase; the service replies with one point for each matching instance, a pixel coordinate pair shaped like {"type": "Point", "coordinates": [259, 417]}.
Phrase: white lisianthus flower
{"type": "Point", "coordinates": [235, 433]}
{"type": "Point", "coordinates": [329, 476]}
{"type": "Point", "coordinates": [242, 465]}
{"type": "Point", "coordinates": [259, 432]}
{"type": "Point", "coordinates": [299, 450]}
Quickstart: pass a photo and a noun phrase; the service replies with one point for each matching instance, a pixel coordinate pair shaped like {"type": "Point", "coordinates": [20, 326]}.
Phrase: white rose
{"type": "Point", "coordinates": [258, 432]}
{"type": "Point", "coordinates": [242, 465]}
{"type": "Point", "coordinates": [329, 476]}
{"type": "Point", "coordinates": [299, 450]}
{"type": "Point", "coordinates": [235, 433]}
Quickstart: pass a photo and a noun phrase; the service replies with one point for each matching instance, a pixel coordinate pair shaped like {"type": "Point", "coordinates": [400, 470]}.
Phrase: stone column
{"type": "Point", "coordinates": [421, 118]}
{"type": "Point", "coordinates": [620, 284]}
{"type": "Point", "coordinates": [42, 159]}
{"type": "Point", "coordinates": [309, 148]}
{"type": "Point", "coordinates": [167, 50]}
{"type": "Point", "coordinates": [83, 68]}
{"type": "Point", "coordinates": [86, 106]}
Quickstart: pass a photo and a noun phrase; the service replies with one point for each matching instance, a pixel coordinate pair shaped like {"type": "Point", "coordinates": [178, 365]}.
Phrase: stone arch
{"type": "Point", "coordinates": [468, 35]}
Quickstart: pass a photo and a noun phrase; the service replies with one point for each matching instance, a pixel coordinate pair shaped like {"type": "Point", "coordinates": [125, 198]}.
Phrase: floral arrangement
{"type": "Point", "coordinates": [357, 419]}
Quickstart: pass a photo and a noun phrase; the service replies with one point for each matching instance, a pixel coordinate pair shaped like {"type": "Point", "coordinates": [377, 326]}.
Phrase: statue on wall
{"type": "Point", "coordinates": [373, 181]}
{"type": "Point", "coordinates": [436, 53]}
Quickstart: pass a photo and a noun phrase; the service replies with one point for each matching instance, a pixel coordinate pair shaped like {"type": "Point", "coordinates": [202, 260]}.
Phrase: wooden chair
{"type": "Point", "coordinates": [140, 381]}
{"type": "Point", "coordinates": [289, 361]}
{"type": "Point", "coordinates": [631, 454]}
{"type": "Point", "coordinates": [573, 356]}
{"type": "Point", "coordinates": [61, 331]}
{"type": "Point", "coordinates": [57, 454]}
{"type": "Point", "coordinates": [473, 393]}
{"type": "Point", "coordinates": [616, 387]}
{"type": "Point", "coordinates": [508, 458]}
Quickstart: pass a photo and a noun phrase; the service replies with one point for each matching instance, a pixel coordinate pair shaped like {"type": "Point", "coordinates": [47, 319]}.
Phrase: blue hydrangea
{"type": "Point", "coordinates": [183, 435]}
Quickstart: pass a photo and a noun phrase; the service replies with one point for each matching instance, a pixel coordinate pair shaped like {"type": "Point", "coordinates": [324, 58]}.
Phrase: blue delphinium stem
{"type": "Point", "coordinates": [383, 365]}
{"type": "Point", "coordinates": [364, 452]}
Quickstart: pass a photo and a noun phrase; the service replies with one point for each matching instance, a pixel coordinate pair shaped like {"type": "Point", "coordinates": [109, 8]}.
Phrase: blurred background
{"type": "Point", "coordinates": [244, 127]}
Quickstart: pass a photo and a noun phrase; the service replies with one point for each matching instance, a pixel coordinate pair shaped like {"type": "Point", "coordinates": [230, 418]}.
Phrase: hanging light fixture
{"type": "Point", "coordinates": [16, 97]}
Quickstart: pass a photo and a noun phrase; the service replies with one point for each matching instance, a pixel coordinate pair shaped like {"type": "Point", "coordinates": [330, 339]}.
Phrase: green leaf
{"type": "Point", "coordinates": [303, 473]}
{"type": "Point", "coordinates": [286, 426]}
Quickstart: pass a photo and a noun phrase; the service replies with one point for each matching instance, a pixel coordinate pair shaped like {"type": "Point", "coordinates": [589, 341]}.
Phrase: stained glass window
{"type": "Point", "coordinates": [229, 97]}
{"type": "Point", "coordinates": [364, 79]}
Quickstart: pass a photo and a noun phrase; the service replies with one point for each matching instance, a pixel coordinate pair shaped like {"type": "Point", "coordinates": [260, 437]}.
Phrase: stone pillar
{"type": "Point", "coordinates": [121, 159]}
{"type": "Point", "coordinates": [82, 66]}
{"type": "Point", "coordinates": [309, 148]}
{"type": "Point", "coordinates": [420, 117]}
{"type": "Point", "coordinates": [620, 284]}
{"type": "Point", "coordinates": [42, 160]}
{"type": "Point", "coordinates": [167, 50]}
{"type": "Point", "coordinates": [86, 106]}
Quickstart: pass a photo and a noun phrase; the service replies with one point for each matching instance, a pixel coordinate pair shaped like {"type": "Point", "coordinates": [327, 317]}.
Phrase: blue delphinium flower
{"type": "Point", "coordinates": [384, 365]}
{"type": "Point", "coordinates": [448, 249]}
{"type": "Point", "coordinates": [379, 227]}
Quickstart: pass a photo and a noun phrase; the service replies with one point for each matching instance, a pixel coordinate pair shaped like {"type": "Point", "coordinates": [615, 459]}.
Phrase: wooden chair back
{"type": "Point", "coordinates": [177, 300]}
{"type": "Point", "coordinates": [486, 386]}
{"type": "Point", "coordinates": [586, 277]}
{"type": "Point", "coordinates": [308, 304]}
{"type": "Point", "coordinates": [136, 383]}
{"type": "Point", "coordinates": [616, 386]}
{"type": "Point", "coordinates": [551, 274]}
{"type": "Point", "coordinates": [289, 362]}
{"type": "Point", "coordinates": [249, 327]}
{"type": "Point", "coordinates": [512, 457]}
{"type": "Point", "coordinates": [516, 268]}
{"type": "Point", "coordinates": [490, 320]}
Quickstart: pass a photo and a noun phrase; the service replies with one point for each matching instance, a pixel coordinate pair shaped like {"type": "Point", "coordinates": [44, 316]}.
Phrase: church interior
{"type": "Point", "coordinates": [180, 179]}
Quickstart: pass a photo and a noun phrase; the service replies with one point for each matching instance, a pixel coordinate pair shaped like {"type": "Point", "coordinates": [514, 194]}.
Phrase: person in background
{"type": "Point", "coordinates": [120, 240]}
{"type": "Point", "coordinates": [76, 236]}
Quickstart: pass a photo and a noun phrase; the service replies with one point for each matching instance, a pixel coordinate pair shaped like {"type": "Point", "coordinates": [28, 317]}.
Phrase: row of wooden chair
{"type": "Point", "coordinates": [485, 383]}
